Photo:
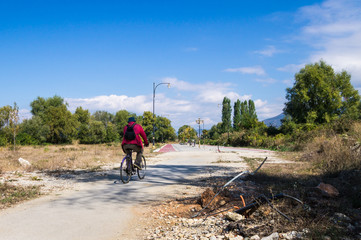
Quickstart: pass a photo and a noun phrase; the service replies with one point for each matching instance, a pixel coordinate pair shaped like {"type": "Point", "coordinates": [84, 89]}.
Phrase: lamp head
{"type": "Point", "coordinates": [168, 85]}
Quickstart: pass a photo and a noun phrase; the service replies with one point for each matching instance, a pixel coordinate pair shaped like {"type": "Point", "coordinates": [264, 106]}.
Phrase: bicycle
{"type": "Point", "coordinates": [127, 169]}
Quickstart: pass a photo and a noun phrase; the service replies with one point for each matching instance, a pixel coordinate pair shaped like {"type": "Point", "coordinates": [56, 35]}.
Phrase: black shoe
{"type": "Point", "coordinates": [137, 166]}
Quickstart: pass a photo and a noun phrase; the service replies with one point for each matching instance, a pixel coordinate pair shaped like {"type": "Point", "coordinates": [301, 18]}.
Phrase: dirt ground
{"type": "Point", "coordinates": [320, 217]}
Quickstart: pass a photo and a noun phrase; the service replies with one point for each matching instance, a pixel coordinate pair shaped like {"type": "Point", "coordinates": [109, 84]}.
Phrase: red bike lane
{"type": "Point", "coordinates": [167, 148]}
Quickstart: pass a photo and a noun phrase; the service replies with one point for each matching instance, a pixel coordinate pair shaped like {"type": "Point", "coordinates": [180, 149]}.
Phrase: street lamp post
{"type": "Point", "coordinates": [154, 88]}
{"type": "Point", "coordinates": [199, 121]}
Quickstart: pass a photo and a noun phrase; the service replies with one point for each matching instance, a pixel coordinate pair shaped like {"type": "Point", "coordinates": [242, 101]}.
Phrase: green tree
{"type": "Point", "coordinates": [320, 95]}
{"type": "Point", "coordinates": [54, 113]}
{"type": "Point", "coordinates": [215, 131]}
{"type": "Point", "coordinates": [111, 133]}
{"type": "Point", "coordinates": [164, 130]}
{"type": "Point", "coordinates": [82, 116]}
{"type": "Point", "coordinates": [120, 120]}
{"type": "Point", "coordinates": [237, 115]}
{"type": "Point", "coordinates": [226, 115]}
{"type": "Point", "coordinates": [94, 133]}
{"type": "Point", "coordinates": [33, 131]}
{"type": "Point", "coordinates": [147, 121]}
{"type": "Point", "coordinates": [248, 118]}
{"type": "Point", "coordinates": [186, 132]}
{"type": "Point", "coordinates": [83, 120]}
{"type": "Point", "coordinates": [5, 133]}
{"type": "Point", "coordinates": [103, 116]}
{"type": "Point", "coordinates": [5, 116]}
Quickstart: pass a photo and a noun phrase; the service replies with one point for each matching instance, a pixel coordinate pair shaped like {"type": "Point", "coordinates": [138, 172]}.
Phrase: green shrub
{"type": "Point", "coordinates": [26, 139]}
{"type": "Point", "coordinates": [3, 141]}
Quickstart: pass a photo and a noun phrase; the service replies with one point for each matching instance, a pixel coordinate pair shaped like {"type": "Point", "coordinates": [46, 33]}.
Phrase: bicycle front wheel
{"type": "Point", "coordinates": [125, 171]}
{"type": "Point", "coordinates": [143, 165]}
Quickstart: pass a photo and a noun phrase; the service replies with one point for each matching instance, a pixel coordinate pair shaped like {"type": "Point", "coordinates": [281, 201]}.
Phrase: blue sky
{"type": "Point", "coordinates": [105, 55]}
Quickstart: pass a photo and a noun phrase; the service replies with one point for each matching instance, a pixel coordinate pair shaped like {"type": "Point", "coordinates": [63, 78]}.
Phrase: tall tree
{"type": "Point", "coordinates": [237, 115]}
{"type": "Point", "coordinates": [120, 120]}
{"type": "Point", "coordinates": [54, 113]}
{"type": "Point", "coordinates": [320, 95]}
{"type": "Point", "coordinates": [248, 114]}
{"type": "Point", "coordinates": [83, 119]}
{"type": "Point", "coordinates": [226, 115]}
{"type": "Point", "coordinates": [5, 131]}
{"type": "Point", "coordinates": [165, 131]}
{"type": "Point", "coordinates": [147, 123]}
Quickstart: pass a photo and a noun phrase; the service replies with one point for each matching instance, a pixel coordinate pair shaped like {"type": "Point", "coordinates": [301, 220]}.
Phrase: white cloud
{"type": "Point", "coordinates": [293, 68]}
{"type": "Point", "coordinates": [334, 30]}
{"type": "Point", "coordinates": [208, 92]}
{"type": "Point", "coordinates": [266, 110]}
{"type": "Point", "coordinates": [258, 70]}
{"type": "Point", "coordinates": [195, 101]}
{"type": "Point", "coordinates": [111, 103]}
{"type": "Point", "coordinates": [268, 52]}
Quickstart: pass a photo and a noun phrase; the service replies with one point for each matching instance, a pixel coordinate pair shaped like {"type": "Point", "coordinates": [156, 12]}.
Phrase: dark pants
{"type": "Point", "coordinates": [135, 148]}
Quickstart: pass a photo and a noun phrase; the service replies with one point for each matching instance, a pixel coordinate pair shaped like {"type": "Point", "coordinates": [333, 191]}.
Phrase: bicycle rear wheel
{"type": "Point", "coordinates": [125, 171]}
{"type": "Point", "coordinates": [143, 165]}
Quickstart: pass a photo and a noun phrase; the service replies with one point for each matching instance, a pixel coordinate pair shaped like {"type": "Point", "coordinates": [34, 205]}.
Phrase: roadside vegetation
{"type": "Point", "coordinates": [11, 194]}
{"type": "Point", "coordinates": [321, 130]}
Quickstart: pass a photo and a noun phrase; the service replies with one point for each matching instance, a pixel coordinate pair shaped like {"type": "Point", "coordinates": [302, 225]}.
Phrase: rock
{"type": "Point", "coordinates": [255, 237]}
{"type": "Point", "coordinates": [292, 235]}
{"type": "Point", "coordinates": [238, 238]}
{"type": "Point", "coordinates": [273, 236]}
{"type": "Point", "coordinates": [341, 219]}
{"type": "Point", "coordinates": [23, 162]}
{"type": "Point", "coordinates": [327, 190]}
{"type": "Point", "coordinates": [232, 216]}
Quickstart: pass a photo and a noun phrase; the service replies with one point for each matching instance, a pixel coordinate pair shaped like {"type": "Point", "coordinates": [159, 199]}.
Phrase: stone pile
{"type": "Point", "coordinates": [212, 228]}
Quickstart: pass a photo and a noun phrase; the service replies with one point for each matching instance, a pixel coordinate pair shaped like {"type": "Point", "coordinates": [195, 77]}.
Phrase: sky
{"type": "Point", "coordinates": [106, 55]}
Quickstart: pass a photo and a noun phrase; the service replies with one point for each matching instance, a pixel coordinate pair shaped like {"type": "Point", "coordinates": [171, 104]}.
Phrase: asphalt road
{"type": "Point", "coordinates": [98, 208]}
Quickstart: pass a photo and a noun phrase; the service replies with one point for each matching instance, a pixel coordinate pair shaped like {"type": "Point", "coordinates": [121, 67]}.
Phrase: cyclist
{"type": "Point", "coordinates": [132, 140]}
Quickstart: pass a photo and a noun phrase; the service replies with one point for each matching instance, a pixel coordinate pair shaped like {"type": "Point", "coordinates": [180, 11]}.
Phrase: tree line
{"type": "Point", "coordinates": [320, 99]}
{"type": "Point", "coordinates": [53, 123]}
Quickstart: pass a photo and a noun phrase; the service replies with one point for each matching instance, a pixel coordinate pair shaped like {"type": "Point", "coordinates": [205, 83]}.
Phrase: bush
{"type": "Point", "coordinates": [26, 139]}
{"type": "Point", "coordinates": [3, 141]}
{"type": "Point", "coordinates": [333, 155]}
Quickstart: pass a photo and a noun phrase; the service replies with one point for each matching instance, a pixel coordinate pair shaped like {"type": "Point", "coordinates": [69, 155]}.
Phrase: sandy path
{"type": "Point", "coordinates": [100, 209]}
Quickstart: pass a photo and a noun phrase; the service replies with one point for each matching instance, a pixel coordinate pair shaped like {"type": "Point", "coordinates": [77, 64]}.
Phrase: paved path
{"type": "Point", "coordinates": [100, 209]}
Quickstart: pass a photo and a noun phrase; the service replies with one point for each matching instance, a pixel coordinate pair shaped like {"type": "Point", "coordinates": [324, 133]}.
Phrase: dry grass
{"type": "Point", "coordinates": [13, 194]}
{"type": "Point", "coordinates": [332, 155]}
{"type": "Point", "coordinates": [60, 157]}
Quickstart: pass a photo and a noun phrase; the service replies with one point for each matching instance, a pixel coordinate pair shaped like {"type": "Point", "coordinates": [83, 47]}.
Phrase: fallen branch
{"type": "Point", "coordinates": [263, 199]}
{"type": "Point", "coordinates": [225, 185]}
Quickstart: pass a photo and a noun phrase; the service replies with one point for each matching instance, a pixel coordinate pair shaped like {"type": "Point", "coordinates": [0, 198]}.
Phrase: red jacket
{"type": "Point", "coordinates": [138, 131]}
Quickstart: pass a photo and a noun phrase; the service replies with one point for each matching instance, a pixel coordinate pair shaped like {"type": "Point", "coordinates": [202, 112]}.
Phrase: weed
{"type": "Point", "coordinates": [12, 194]}
{"type": "Point", "coordinates": [252, 162]}
{"type": "Point", "coordinates": [36, 178]}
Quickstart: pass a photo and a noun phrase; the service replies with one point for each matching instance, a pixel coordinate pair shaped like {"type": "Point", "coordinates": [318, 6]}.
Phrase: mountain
{"type": "Point", "coordinates": [274, 121]}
